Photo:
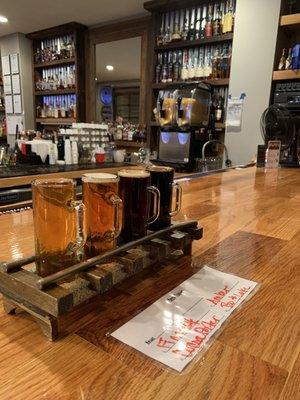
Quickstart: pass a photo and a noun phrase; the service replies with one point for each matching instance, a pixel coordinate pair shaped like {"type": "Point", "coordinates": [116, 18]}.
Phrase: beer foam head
{"type": "Point", "coordinates": [53, 182]}
{"type": "Point", "coordinates": [133, 173]}
{"type": "Point", "coordinates": [159, 168]}
{"type": "Point", "coordinates": [99, 177]}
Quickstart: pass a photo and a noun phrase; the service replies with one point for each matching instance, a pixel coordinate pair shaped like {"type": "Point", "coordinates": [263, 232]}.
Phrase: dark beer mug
{"type": "Point", "coordinates": [163, 178]}
{"type": "Point", "coordinates": [135, 191]}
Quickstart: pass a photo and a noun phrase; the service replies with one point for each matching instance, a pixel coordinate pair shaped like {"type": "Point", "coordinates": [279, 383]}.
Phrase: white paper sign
{"type": "Point", "coordinates": [8, 104]}
{"type": "Point", "coordinates": [17, 104]}
{"type": "Point", "coordinates": [5, 65]}
{"type": "Point", "coordinates": [177, 326]}
{"type": "Point", "coordinates": [7, 84]}
{"type": "Point", "coordinates": [14, 63]}
{"type": "Point", "coordinates": [12, 121]}
{"type": "Point", "coordinates": [234, 112]}
{"type": "Point", "coordinates": [15, 79]}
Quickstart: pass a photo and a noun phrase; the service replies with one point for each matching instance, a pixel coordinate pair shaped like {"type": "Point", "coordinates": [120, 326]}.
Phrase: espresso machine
{"type": "Point", "coordinates": [183, 117]}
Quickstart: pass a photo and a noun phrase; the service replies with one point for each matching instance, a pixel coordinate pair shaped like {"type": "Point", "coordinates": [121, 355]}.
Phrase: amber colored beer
{"type": "Point", "coordinates": [58, 239]}
{"type": "Point", "coordinates": [103, 212]}
{"type": "Point", "coordinates": [135, 190]}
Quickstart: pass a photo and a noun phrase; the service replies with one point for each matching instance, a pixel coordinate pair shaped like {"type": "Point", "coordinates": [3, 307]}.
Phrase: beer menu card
{"type": "Point", "coordinates": [177, 326]}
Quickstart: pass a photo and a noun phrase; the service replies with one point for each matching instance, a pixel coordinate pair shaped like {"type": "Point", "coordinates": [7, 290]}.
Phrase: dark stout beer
{"type": "Point", "coordinates": [162, 177]}
{"type": "Point", "coordinates": [135, 191]}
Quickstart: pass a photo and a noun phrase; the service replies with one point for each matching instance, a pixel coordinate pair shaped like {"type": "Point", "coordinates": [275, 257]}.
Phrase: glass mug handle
{"type": "Point", "coordinates": [117, 204]}
{"type": "Point", "coordinates": [156, 203]}
{"type": "Point", "coordinates": [178, 200]}
{"type": "Point", "coordinates": [79, 209]}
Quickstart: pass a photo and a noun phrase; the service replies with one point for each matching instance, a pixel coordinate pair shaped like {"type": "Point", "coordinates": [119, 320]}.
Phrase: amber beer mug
{"type": "Point", "coordinates": [103, 212]}
{"type": "Point", "coordinates": [163, 178]}
{"type": "Point", "coordinates": [135, 191]}
{"type": "Point", "coordinates": [58, 224]}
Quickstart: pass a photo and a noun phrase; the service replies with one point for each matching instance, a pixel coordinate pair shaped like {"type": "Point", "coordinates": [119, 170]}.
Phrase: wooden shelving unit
{"type": "Point", "coordinates": [213, 82]}
{"type": "Point", "coordinates": [78, 32]}
{"type": "Point", "coordinates": [286, 75]}
{"type": "Point", "coordinates": [56, 121]}
{"type": "Point", "coordinates": [290, 20]}
{"type": "Point", "coordinates": [56, 63]}
{"type": "Point", "coordinates": [185, 44]}
{"type": "Point", "coordinates": [54, 92]}
{"type": "Point", "coordinates": [157, 8]}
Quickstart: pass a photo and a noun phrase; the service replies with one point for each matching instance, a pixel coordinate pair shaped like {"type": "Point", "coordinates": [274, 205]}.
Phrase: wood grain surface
{"type": "Point", "coordinates": [251, 222]}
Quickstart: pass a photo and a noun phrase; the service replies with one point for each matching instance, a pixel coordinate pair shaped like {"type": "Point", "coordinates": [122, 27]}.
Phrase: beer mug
{"type": "Point", "coordinates": [103, 212]}
{"type": "Point", "coordinates": [163, 178]}
{"type": "Point", "coordinates": [135, 191]}
{"type": "Point", "coordinates": [58, 224]}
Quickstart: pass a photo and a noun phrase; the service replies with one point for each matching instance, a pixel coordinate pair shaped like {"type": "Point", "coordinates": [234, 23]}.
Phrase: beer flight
{"type": "Point", "coordinates": [115, 209]}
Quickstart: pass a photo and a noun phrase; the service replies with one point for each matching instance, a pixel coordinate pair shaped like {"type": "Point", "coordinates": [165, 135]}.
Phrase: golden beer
{"type": "Point", "coordinates": [103, 212]}
{"type": "Point", "coordinates": [58, 226]}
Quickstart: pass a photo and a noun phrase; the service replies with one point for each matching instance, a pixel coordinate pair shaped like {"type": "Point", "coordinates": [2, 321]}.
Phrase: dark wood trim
{"type": "Point", "coordinates": [55, 31]}
{"type": "Point", "coordinates": [167, 5]}
{"type": "Point", "coordinates": [109, 33]}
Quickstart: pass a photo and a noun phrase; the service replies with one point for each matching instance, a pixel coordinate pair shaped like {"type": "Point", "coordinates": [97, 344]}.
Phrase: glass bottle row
{"type": "Point", "coordinates": [193, 64]}
{"type": "Point", "coordinates": [212, 19]}
{"type": "Point", "coordinates": [56, 78]}
{"type": "Point", "coordinates": [59, 48]}
{"type": "Point", "coordinates": [57, 107]}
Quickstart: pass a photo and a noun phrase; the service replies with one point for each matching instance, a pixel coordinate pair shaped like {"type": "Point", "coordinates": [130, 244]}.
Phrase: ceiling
{"type": "Point", "coordinates": [124, 55]}
{"type": "Point", "coordinates": [32, 15]}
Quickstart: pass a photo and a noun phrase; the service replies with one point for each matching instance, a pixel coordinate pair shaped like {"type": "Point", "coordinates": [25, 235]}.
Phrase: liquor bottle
{"type": "Point", "coordinates": [216, 65]}
{"type": "Point", "coordinates": [288, 61]}
{"type": "Point", "coordinates": [184, 69]}
{"type": "Point", "coordinates": [200, 65]}
{"type": "Point", "coordinates": [185, 31]}
{"type": "Point", "coordinates": [203, 22]}
{"type": "Point", "coordinates": [282, 60]}
{"type": "Point", "coordinates": [170, 67]}
{"type": "Point", "coordinates": [158, 68]}
{"type": "Point", "coordinates": [192, 32]}
{"type": "Point", "coordinates": [160, 37]}
{"type": "Point", "coordinates": [228, 18]}
{"type": "Point", "coordinates": [176, 31]}
{"type": "Point", "coordinates": [167, 36]}
{"type": "Point", "coordinates": [164, 69]}
{"type": "Point", "coordinates": [191, 66]}
{"type": "Point", "coordinates": [181, 23]}
{"type": "Point", "coordinates": [217, 23]}
{"type": "Point", "coordinates": [176, 65]}
{"type": "Point", "coordinates": [207, 63]}
{"type": "Point", "coordinates": [208, 24]}
{"type": "Point", "coordinates": [198, 23]}
{"type": "Point", "coordinates": [219, 110]}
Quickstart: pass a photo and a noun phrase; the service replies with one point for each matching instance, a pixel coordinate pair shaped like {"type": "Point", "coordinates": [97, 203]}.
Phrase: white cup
{"type": "Point", "coordinates": [119, 155]}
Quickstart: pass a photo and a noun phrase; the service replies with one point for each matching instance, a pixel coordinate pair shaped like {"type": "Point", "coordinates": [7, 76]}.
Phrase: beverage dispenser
{"type": "Point", "coordinates": [192, 106]}
{"type": "Point", "coordinates": [166, 108]}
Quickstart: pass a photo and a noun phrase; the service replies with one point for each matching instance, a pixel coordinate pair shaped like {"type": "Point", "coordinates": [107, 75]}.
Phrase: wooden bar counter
{"type": "Point", "coordinates": [251, 221]}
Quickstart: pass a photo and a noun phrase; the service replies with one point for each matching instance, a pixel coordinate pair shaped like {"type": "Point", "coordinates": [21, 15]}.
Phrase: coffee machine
{"type": "Point", "coordinates": [182, 114]}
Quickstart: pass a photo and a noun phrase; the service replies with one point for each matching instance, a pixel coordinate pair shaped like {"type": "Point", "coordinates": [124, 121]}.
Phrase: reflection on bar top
{"type": "Point", "coordinates": [24, 170]}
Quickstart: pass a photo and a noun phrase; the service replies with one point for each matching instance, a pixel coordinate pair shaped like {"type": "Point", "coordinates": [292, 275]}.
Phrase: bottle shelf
{"type": "Point", "coordinates": [55, 63]}
{"type": "Point", "coordinates": [56, 121]}
{"type": "Point", "coordinates": [2, 108]}
{"type": "Point", "coordinates": [218, 125]}
{"type": "Point", "coordinates": [194, 43]}
{"type": "Point", "coordinates": [54, 92]}
{"type": "Point", "coordinates": [214, 82]}
{"type": "Point", "coordinates": [286, 75]}
{"type": "Point", "coordinates": [290, 20]}
{"type": "Point", "coordinates": [127, 143]}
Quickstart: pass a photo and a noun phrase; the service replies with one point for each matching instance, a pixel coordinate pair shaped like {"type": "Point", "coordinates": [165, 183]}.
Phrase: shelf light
{"type": "Point", "coordinates": [3, 19]}
{"type": "Point", "coordinates": [109, 68]}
